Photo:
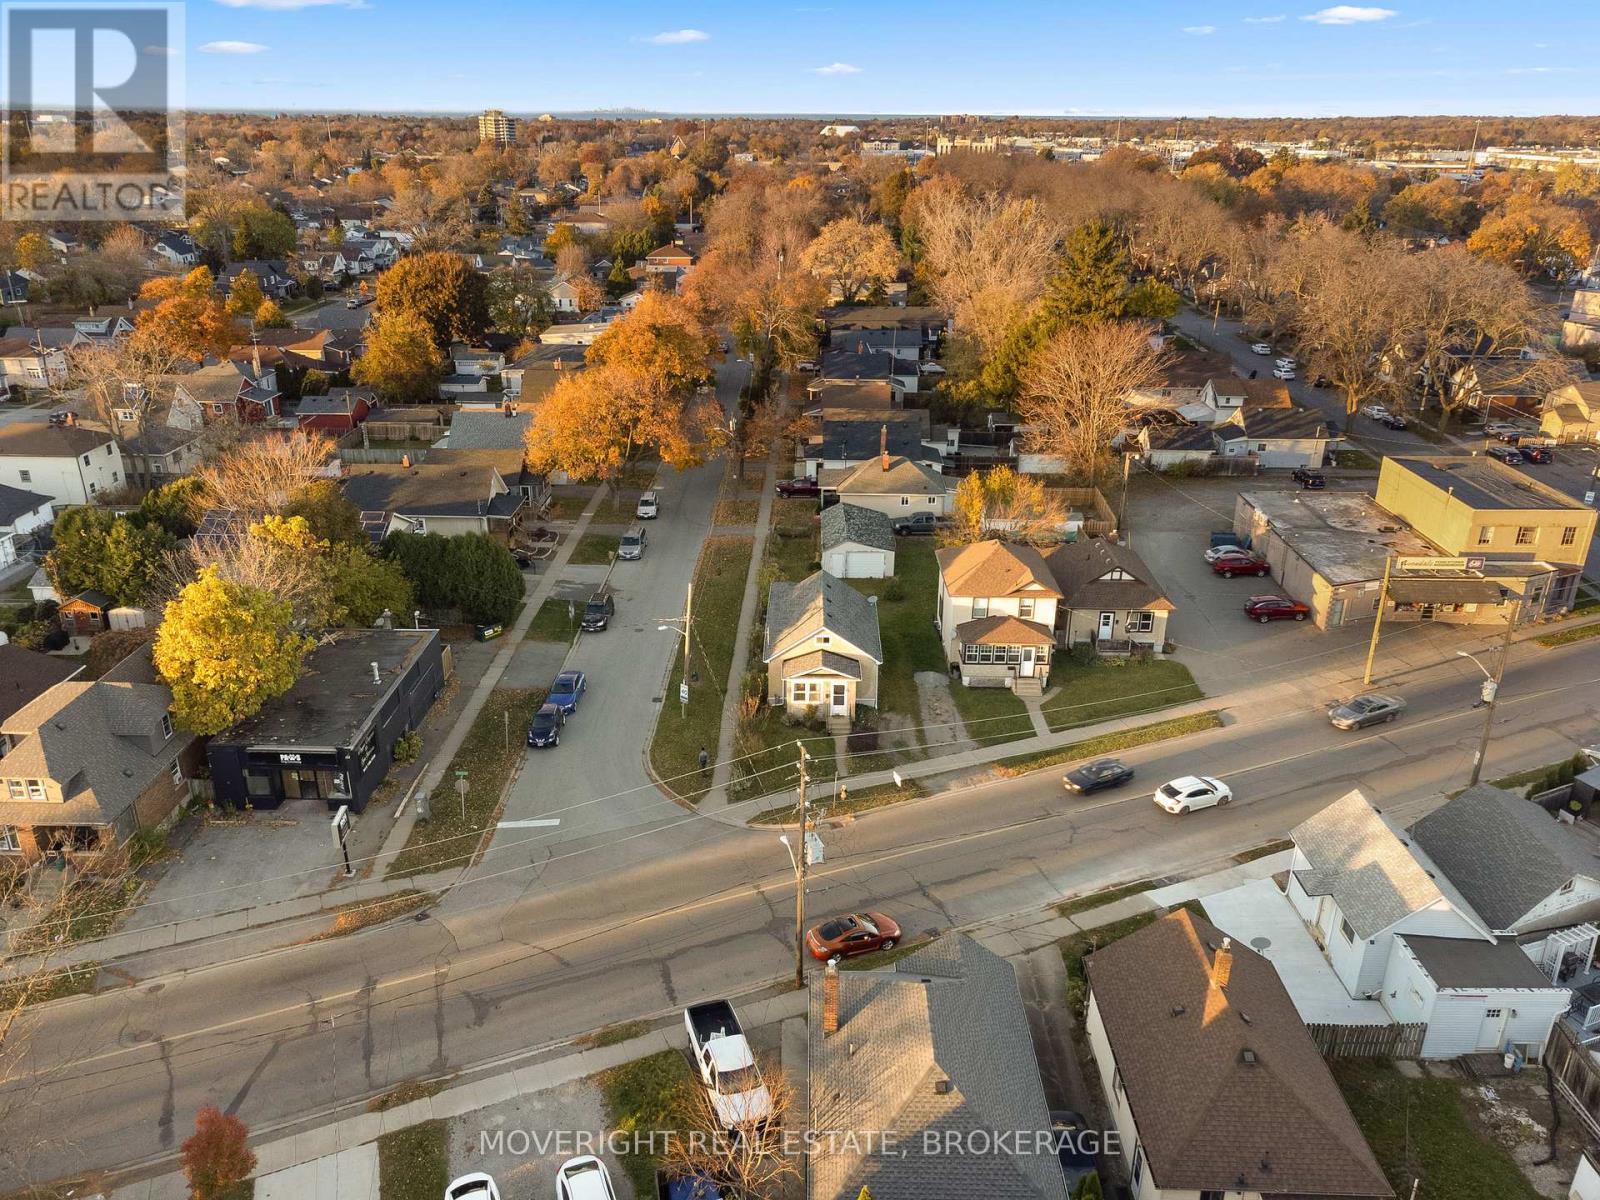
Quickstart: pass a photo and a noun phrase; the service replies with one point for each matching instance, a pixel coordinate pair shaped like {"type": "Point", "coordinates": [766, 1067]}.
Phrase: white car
{"type": "Point", "coordinates": [1217, 552]}
{"type": "Point", "coordinates": [649, 506]}
{"type": "Point", "coordinates": [1286, 362]}
{"type": "Point", "coordinates": [1261, 348]}
{"type": "Point", "coordinates": [1191, 792]}
{"type": "Point", "coordinates": [584, 1178]}
{"type": "Point", "coordinates": [930, 368]}
{"type": "Point", "coordinates": [1284, 373]}
{"type": "Point", "coordinates": [476, 1186]}
{"type": "Point", "coordinates": [807, 364]}
{"type": "Point", "coordinates": [1374, 412]}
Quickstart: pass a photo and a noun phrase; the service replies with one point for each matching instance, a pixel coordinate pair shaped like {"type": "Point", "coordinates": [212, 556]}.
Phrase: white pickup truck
{"type": "Point", "coordinates": [727, 1068]}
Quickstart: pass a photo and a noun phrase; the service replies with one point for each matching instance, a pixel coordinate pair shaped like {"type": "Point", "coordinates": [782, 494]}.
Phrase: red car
{"type": "Point", "coordinates": [798, 487]}
{"type": "Point", "coordinates": [855, 933]}
{"type": "Point", "coordinates": [1232, 565]}
{"type": "Point", "coordinates": [1275, 608]}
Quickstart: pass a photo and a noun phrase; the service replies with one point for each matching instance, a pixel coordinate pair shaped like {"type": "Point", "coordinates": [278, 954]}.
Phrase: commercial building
{"type": "Point", "coordinates": [495, 128]}
{"type": "Point", "coordinates": [331, 737]}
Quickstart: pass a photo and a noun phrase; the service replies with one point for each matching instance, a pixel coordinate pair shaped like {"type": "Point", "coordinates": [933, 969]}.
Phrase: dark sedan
{"type": "Point", "coordinates": [855, 933]}
{"type": "Point", "coordinates": [1360, 711]}
{"type": "Point", "coordinates": [1275, 608]}
{"type": "Point", "coordinates": [1536, 454]}
{"type": "Point", "coordinates": [1091, 777]}
{"type": "Point", "coordinates": [799, 487]}
{"type": "Point", "coordinates": [546, 727]}
{"type": "Point", "coordinates": [1506, 454]}
{"type": "Point", "coordinates": [1306, 477]}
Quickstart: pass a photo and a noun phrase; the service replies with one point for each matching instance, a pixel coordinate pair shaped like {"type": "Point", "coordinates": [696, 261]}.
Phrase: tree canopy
{"type": "Point", "coordinates": [442, 291]}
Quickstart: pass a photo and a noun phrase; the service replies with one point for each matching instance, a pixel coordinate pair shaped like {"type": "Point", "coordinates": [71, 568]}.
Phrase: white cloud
{"type": "Point", "coordinates": [1199, 30]}
{"type": "Point", "coordinates": [1540, 70]}
{"type": "Point", "coordinates": [837, 68]}
{"type": "Point", "coordinates": [232, 48]}
{"type": "Point", "coordinates": [1264, 20]}
{"type": "Point", "coordinates": [679, 37]}
{"type": "Point", "coordinates": [1349, 14]}
{"type": "Point", "coordinates": [292, 5]}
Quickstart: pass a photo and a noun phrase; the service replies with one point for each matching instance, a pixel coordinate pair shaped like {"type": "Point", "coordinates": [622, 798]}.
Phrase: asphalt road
{"type": "Point", "coordinates": [678, 908]}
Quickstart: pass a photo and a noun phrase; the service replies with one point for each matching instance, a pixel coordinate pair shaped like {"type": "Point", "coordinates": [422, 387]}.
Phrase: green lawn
{"type": "Point", "coordinates": [1115, 688]}
{"type": "Point", "coordinates": [1111, 743]}
{"type": "Point", "coordinates": [51, 984]}
{"type": "Point", "coordinates": [448, 840]}
{"type": "Point", "coordinates": [567, 508]}
{"type": "Point", "coordinates": [1355, 460]}
{"type": "Point", "coordinates": [643, 1096]}
{"type": "Point", "coordinates": [414, 1163]}
{"type": "Point", "coordinates": [992, 715]}
{"type": "Point", "coordinates": [1567, 636]}
{"type": "Point", "coordinates": [1419, 1130]}
{"type": "Point", "coordinates": [864, 800]}
{"type": "Point", "coordinates": [593, 548]}
{"type": "Point", "coordinates": [718, 592]}
{"type": "Point", "coordinates": [906, 606]}
{"type": "Point", "coordinates": [552, 624]}
{"type": "Point", "coordinates": [1100, 899]}
{"type": "Point", "coordinates": [883, 958]}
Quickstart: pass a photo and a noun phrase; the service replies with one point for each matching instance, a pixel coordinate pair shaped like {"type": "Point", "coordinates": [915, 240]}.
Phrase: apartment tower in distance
{"type": "Point", "coordinates": [494, 127]}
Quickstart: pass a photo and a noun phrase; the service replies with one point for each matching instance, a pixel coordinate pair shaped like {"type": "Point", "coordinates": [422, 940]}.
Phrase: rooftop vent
{"type": "Point", "coordinates": [1178, 1010]}
{"type": "Point", "coordinates": [1247, 1056]}
{"type": "Point", "coordinates": [941, 1087]}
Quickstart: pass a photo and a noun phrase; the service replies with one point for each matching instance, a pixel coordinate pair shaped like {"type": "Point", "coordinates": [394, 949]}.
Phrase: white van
{"type": "Point", "coordinates": [649, 505]}
{"type": "Point", "coordinates": [633, 543]}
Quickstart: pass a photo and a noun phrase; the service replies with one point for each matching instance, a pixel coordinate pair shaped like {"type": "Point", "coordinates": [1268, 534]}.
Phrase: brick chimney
{"type": "Point", "coordinates": [830, 999]}
{"type": "Point", "coordinates": [883, 446]}
{"type": "Point", "coordinates": [1222, 965]}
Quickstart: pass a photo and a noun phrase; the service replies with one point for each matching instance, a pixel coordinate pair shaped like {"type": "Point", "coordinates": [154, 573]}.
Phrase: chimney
{"type": "Point", "coordinates": [376, 676]}
{"type": "Point", "coordinates": [883, 446]}
{"type": "Point", "coordinates": [1222, 965]}
{"type": "Point", "coordinates": [830, 999]}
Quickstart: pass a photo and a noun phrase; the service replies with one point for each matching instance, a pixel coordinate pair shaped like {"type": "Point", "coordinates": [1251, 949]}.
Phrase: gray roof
{"type": "Point", "coordinates": [860, 435]}
{"type": "Point", "coordinates": [427, 490]}
{"type": "Point", "coordinates": [1359, 861]}
{"type": "Point", "coordinates": [1474, 964]}
{"type": "Point", "coordinates": [19, 502]}
{"type": "Point", "coordinates": [1503, 853]}
{"type": "Point", "coordinates": [843, 523]}
{"type": "Point", "coordinates": [819, 602]}
{"type": "Point", "coordinates": [1485, 484]}
{"type": "Point", "coordinates": [481, 429]}
{"type": "Point", "coordinates": [950, 1011]}
{"type": "Point", "coordinates": [34, 439]}
{"type": "Point", "coordinates": [25, 675]}
{"type": "Point", "coordinates": [869, 478]}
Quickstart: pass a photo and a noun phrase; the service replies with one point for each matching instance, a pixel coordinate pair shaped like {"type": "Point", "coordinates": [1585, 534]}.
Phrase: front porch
{"type": "Point", "coordinates": [1003, 652]}
{"type": "Point", "coordinates": [821, 686]}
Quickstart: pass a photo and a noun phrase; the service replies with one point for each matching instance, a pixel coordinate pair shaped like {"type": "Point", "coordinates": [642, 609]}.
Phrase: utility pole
{"type": "Point", "coordinates": [1122, 505]}
{"type": "Point", "coordinates": [1491, 692]}
{"type": "Point", "coordinates": [800, 879]}
{"type": "Point", "coordinates": [688, 628]}
{"type": "Point", "coordinates": [1377, 622]}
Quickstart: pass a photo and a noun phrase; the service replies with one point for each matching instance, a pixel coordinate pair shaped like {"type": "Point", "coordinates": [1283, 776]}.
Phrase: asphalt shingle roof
{"type": "Point", "coordinates": [19, 502]}
{"type": "Point", "coordinates": [1469, 963]}
{"type": "Point", "coordinates": [843, 523]}
{"type": "Point", "coordinates": [25, 675]}
{"type": "Point", "coordinates": [902, 478]}
{"type": "Point", "coordinates": [483, 430]}
{"type": "Point", "coordinates": [995, 568]}
{"type": "Point", "coordinates": [38, 440]}
{"type": "Point", "coordinates": [796, 611]}
{"type": "Point", "coordinates": [1080, 567]}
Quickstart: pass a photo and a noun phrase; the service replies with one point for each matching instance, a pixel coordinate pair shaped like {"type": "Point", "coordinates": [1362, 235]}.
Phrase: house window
{"type": "Point", "coordinates": [980, 608]}
{"type": "Point", "coordinates": [9, 843]}
{"type": "Point", "coordinates": [905, 501]}
{"type": "Point", "coordinates": [113, 477]}
{"type": "Point", "coordinates": [1569, 535]}
{"type": "Point", "coordinates": [1137, 1170]}
{"type": "Point", "coordinates": [1485, 534]}
{"type": "Point", "coordinates": [1492, 1012]}
{"type": "Point", "coordinates": [969, 654]}
{"type": "Point", "coordinates": [824, 639]}
{"type": "Point", "coordinates": [1025, 609]}
{"type": "Point", "coordinates": [86, 460]}
{"type": "Point", "coordinates": [1116, 573]}
{"type": "Point", "coordinates": [257, 783]}
{"type": "Point", "coordinates": [1348, 933]}
{"type": "Point", "coordinates": [1140, 622]}
{"type": "Point", "coordinates": [27, 476]}
{"type": "Point", "coordinates": [166, 725]}
{"type": "Point", "coordinates": [1261, 447]}
{"type": "Point", "coordinates": [1566, 887]}
{"type": "Point", "coordinates": [16, 789]}
{"type": "Point", "coordinates": [125, 415]}
{"type": "Point", "coordinates": [421, 526]}
{"type": "Point", "coordinates": [1524, 535]}
{"type": "Point", "coordinates": [177, 771]}
{"type": "Point", "coordinates": [156, 468]}
{"type": "Point", "coordinates": [92, 489]}
{"type": "Point", "coordinates": [216, 409]}
{"type": "Point", "coordinates": [36, 789]}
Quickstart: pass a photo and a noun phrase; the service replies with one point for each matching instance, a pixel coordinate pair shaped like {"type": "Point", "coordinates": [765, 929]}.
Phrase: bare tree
{"type": "Point", "coordinates": [260, 474]}
{"type": "Point", "coordinates": [1075, 390]}
{"type": "Point", "coordinates": [749, 1164]}
{"type": "Point", "coordinates": [119, 383]}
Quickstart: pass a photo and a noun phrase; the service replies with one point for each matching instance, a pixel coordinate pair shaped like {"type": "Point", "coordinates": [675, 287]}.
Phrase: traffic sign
{"type": "Point", "coordinates": [460, 774]}
{"type": "Point", "coordinates": [683, 693]}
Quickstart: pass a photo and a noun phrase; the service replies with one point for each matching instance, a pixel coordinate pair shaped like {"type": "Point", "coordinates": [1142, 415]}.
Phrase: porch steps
{"type": "Point", "coordinates": [838, 725]}
{"type": "Point", "coordinates": [1029, 688]}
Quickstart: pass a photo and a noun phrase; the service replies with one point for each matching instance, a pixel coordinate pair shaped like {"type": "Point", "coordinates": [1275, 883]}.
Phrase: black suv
{"type": "Point", "coordinates": [598, 612]}
{"type": "Point", "coordinates": [923, 522]}
{"type": "Point", "coordinates": [1306, 477]}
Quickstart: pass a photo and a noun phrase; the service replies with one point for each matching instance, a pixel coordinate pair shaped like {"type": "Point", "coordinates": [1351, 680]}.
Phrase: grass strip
{"type": "Point", "coordinates": [414, 1163]}
{"type": "Point", "coordinates": [1564, 637]}
{"type": "Point", "coordinates": [865, 800]}
{"type": "Point", "coordinates": [552, 624]}
{"type": "Point", "coordinates": [644, 1096]}
{"type": "Point", "coordinates": [595, 548]}
{"type": "Point", "coordinates": [1102, 898]}
{"type": "Point", "coordinates": [1110, 743]}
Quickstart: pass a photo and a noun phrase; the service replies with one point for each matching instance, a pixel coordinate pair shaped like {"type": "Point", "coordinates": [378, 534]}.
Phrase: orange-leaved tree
{"type": "Point", "coordinates": [217, 1156]}
{"type": "Point", "coordinates": [188, 320]}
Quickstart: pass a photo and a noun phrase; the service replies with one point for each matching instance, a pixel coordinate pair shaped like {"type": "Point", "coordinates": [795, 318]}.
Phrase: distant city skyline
{"type": "Point", "coordinates": [1149, 58]}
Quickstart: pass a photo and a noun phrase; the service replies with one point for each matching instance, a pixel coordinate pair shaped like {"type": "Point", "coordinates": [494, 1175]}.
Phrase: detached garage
{"type": "Point", "coordinates": [857, 543]}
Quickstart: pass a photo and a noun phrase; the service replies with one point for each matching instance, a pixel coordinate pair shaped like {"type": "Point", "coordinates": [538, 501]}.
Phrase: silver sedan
{"type": "Point", "coordinates": [1371, 709]}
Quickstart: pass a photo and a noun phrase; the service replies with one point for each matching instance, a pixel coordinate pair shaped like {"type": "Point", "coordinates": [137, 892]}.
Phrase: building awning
{"type": "Point", "coordinates": [1435, 590]}
{"type": "Point", "coordinates": [822, 662]}
{"type": "Point", "coordinates": [1003, 631]}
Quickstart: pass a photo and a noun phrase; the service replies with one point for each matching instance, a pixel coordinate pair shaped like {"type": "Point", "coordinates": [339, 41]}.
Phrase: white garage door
{"type": "Point", "coordinates": [863, 564]}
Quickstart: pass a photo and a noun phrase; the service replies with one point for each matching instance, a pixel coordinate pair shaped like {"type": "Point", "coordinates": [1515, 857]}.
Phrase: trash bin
{"type": "Point", "coordinates": [489, 632]}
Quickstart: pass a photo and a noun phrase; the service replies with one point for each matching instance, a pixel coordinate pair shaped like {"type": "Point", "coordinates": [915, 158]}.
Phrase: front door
{"type": "Point", "coordinates": [1108, 626]}
{"type": "Point", "coordinates": [841, 700]}
{"type": "Point", "coordinates": [1492, 1029]}
{"type": "Point", "coordinates": [1025, 668]}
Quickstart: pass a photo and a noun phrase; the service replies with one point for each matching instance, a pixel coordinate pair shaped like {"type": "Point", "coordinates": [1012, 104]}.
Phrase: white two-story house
{"type": "Point", "coordinates": [997, 615]}
{"type": "Point", "coordinates": [67, 463]}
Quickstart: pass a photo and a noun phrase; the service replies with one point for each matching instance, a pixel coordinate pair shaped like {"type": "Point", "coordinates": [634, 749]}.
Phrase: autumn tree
{"type": "Point", "coordinates": [217, 1156]}
{"type": "Point", "coordinates": [330, 517]}
{"type": "Point", "coordinates": [1535, 237]}
{"type": "Point", "coordinates": [32, 252]}
{"type": "Point", "coordinates": [270, 315]}
{"type": "Point", "coordinates": [1017, 508]}
{"type": "Point", "coordinates": [366, 585]}
{"type": "Point", "coordinates": [850, 256]}
{"type": "Point", "coordinates": [225, 649]}
{"type": "Point", "coordinates": [245, 296]}
{"type": "Point", "coordinates": [262, 474]}
{"type": "Point", "coordinates": [187, 319]}
{"type": "Point", "coordinates": [403, 362]}
{"type": "Point", "coordinates": [442, 291]}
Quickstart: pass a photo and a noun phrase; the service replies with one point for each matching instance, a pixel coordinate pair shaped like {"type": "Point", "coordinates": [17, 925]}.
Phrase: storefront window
{"type": "Point", "coordinates": [257, 784]}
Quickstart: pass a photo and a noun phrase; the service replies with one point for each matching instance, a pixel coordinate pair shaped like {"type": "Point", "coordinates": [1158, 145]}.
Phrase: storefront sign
{"type": "Point", "coordinates": [293, 759]}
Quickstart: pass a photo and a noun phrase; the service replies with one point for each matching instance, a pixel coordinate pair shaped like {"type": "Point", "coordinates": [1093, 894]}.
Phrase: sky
{"type": "Point", "coordinates": [1066, 57]}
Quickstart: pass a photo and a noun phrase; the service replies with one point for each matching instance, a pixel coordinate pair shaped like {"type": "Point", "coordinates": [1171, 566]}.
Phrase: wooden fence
{"type": "Point", "coordinates": [1577, 1078]}
{"type": "Point", "coordinates": [1368, 1041]}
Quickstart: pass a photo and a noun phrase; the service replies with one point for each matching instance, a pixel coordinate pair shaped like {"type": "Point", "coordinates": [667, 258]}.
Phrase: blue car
{"type": "Point", "coordinates": [567, 690]}
{"type": "Point", "coordinates": [546, 727]}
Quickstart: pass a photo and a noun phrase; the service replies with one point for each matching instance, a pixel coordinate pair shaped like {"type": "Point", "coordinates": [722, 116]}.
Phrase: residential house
{"type": "Point", "coordinates": [25, 362]}
{"type": "Point", "coordinates": [176, 249]}
{"type": "Point", "coordinates": [231, 391]}
{"type": "Point", "coordinates": [273, 276]}
{"type": "Point", "coordinates": [339, 411]}
{"type": "Point", "coordinates": [1109, 598]}
{"type": "Point", "coordinates": [1572, 413]}
{"type": "Point", "coordinates": [502, 428]}
{"type": "Point", "coordinates": [897, 1051]}
{"type": "Point", "coordinates": [996, 615]}
{"type": "Point", "coordinates": [1278, 438]}
{"type": "Point", "coordinates": [1475, 506]}
{"type": "Point", "coordinates": [65, 243]}
{"type": "Point", "coordinates": [564, 296]}
{"type": "Point", "coordinates": [13, 287]}
{"type": "Point", "coordinates": [903, 345]}
{"type": "Point", "coordinates": [68, 463]}
{"type": "Point", "coordinates": [106, 330]}
{"type": "Point", "coordinates": [89, 764]}
{"type": "Point", "coordinates": [472, 368]}
{"type": "Point", "coordinates": [22, 514]}
{"type": "Point", "coordinates": [507, 461]}
{"type": "Point", "coordinates": [666, 266]}
{"type": "Point", "coordinates": [536, 372]}
{"type": "Point", "coordinates": [25, 675]}
{"type": "Point", "coordinates": [847, 364]}
{"type": "Point", "coordinates": [866, 395]}
{"type": "Point", "coordinates": [929, 324]}
{"type": "Point", "coordinates": [328, 266]}
{"type": "Point", "coordinates": [1215, 1086]}
{"type": "Point", "coordinates": [1168, 446]}
{"type": "Point", "coordinates": [1581, 325]}
{"type": "Point", "coordinates": [857, 543]}
{"type": "Point", "coordinates": [822, 648]}
{"type": "Point", "coordinates": [892, 484]}
{"type": "Point", "coordinates": [848, 437]}
{"type": "Point", "coordinates": [428, 498]}
{"type": "Point", "coordinates": [1502, 385]}
{"type": "Point", "coordinates": [159, 445]}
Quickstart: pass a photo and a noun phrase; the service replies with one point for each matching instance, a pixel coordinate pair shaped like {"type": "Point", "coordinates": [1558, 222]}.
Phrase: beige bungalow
{"type": "Point", "coordinates": [890, 483]}
{"type": "Point", "coordinates": [997, 615]}
{"type": "Point", "coordinates": [822, 649]}
{"type": "Point", "coordinates": [1109, 598]}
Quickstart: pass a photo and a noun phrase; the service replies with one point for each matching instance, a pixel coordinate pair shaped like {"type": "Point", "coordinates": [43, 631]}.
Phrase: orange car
{"type": "Point", "coordinates": [855, 933]}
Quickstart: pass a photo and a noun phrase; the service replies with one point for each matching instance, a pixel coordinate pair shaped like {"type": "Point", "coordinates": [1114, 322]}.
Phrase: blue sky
{"type": "Point", "coordinates": [1135, 57]}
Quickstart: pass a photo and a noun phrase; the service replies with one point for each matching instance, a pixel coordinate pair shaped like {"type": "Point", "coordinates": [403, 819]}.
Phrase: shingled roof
{"type": "Point", "coordinates": [1226, 1087]}
{"type": "Point", "coordinates": [842, 523]}
{"type": "Point", "coordinates": [796, 611]}
{"type": "Point", "coordinates": [1080, 569]}
{"type": "Point", "coordinates": [995, 568]}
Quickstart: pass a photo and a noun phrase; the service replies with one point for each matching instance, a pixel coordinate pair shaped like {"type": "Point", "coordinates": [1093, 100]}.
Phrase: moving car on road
{"type": "Point", "coordinates": [1360, 711]}
{"type": "Point", "coordinates": [1391, 421]}
{"type": "Point", "coordinates": [1192, 792]}
{"type": "Point", "coordinates": [546, 727]}
{"type": "Point", "coordinates": [584, 1178]}
{"type": "Point", "coordinates": [852, 934]}
{"type": "Point", "coordinates": [1275, 608]}
{"type": "Point", "coordinates": [1091, 777]}
{"type": "Point", "coordinates": [567, 690]}
{"type": "Point", "coordinates": [1261, 348]}
{"type": "Point", "coordinates": [799, 487]}
{"type": "Point", "coordinates": [1229, 565]}
{"type": "Point", "coordinates": [916, 523]}
{"type": "Point", "coordinates": [476, 1186]}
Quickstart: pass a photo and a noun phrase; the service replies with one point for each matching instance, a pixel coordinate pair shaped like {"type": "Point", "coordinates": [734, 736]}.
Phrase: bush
{"type": "Point", "coordinates": [1083, 654]}
{"type": "Point", "coordinates": [862, 741]}
{"type": "Point", "coordinates": [471, 574]}
{"type": "Point", "coordinates": [894, 592]}
{"type": "Point", "coordinates": [407, 747]}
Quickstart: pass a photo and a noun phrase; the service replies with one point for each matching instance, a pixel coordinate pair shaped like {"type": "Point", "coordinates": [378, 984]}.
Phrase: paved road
{"type": "Point", "coordinates": [334, 315]}
{"type": "Point", "coordinates": [678, 908]}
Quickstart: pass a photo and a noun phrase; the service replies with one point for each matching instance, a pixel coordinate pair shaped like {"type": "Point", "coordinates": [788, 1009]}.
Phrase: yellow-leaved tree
{"type": "Point", "coordinates": [225, 649]}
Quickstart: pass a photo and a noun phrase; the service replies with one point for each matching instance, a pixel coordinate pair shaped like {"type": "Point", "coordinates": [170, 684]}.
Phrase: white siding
{"type": "Point", "coordinates": [1562, 908]}
{"type": "Point", "coordinates": [851, 560]}
{"type": "Point", "coordinates": [1454, 1016]}
{"type": "Point", "coordinates": [67, 479]}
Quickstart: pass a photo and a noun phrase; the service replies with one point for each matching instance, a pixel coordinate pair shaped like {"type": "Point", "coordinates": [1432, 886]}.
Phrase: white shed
{"type": "Point", "coordinates": [857, 542]}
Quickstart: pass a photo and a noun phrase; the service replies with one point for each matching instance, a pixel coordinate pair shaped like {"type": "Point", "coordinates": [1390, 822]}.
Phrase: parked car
{"type": "Point", "coordinates": [1229, 566]}
{"type": "Point", "coordinates": [597, 613]}
{"type": "Point", "coordinates": [852, 934]}
{"type": "Point", "coordinates": [1374, 412]}
{"type": "Point", "coordinates": [1509, 455]}
{"type": "Point", "coordinates": [1360, 711]}
{"type": "Point", "coordinates": [1307, 477]}
{"type": "Point", "coordinates": [358, 300]}
{"type": "Point", "coordinates": [546, 727]}
{"type": "Point", "coordinates": [807, 365]}
{"type": "Point", "coordinates": [1284, 373]}
{"type": "Point", "coordinates": [930, 368]}
{"type": "Point", "coordinates": [584, 1178]}
{"type": "Point", "coordinates": [1504, 431]}
{"type": "Point", "coordinates": [1535, 454]}
{"type": "Point", "coordinates": [632, 544]}
{"type": "Point", "coordinates": [567, 690]}
{"type": "Point", "coordinates": [1286, 362]}
{"type": "Point", "coordinates": [1091, 777]}
{"type": "Point", "coordinates": [916, 523]}
{"type": "Point", "coordinates": [727, 1067]}
{"type": "Point", "coordinates": [1321, 381]}
{"type": "Point", "coordinates": [1275, 608]}
{"type": "Point", "coordinates": [1261, 348]}
{"type": "Point", "coordinates": [649, 506]}
{"type": "Point", "coordinates": [1221, 552]}
{"type": "Point", "coordinates": [798, 487]}
{"type": "Point", "coordinates": [1391, 421]}
{"type": "Point", "coordinates": [1192, 792]}
{"type": "Point", "coordinates": [476, 1186]}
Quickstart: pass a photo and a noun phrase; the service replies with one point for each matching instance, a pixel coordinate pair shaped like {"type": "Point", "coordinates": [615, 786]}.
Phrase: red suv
{"type": "Point", "coordinates": [1275, 608]}
{"type": "Point", "coordinates": [1244, 564]}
